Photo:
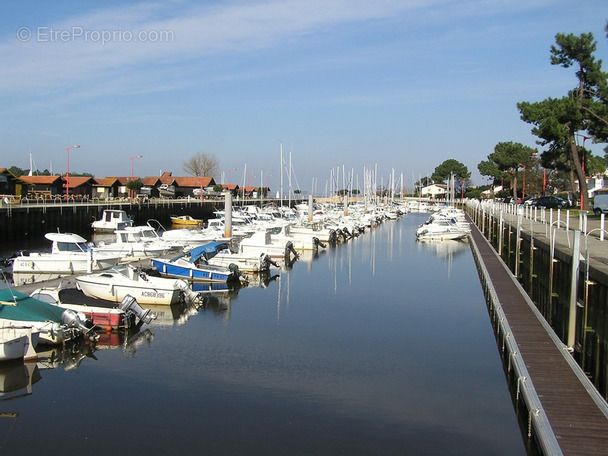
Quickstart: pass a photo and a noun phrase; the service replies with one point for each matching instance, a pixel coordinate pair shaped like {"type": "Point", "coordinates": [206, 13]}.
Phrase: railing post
{"type": "Point", "coordinates": [576, 259]}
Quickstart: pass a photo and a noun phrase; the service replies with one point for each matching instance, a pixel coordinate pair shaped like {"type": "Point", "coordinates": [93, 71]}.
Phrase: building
{"type": "Point", "coordinates": [434, 191]}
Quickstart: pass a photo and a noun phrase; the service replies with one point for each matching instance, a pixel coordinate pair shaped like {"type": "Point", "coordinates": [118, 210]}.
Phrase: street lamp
{"type": "Point", "coordinates": [67, 173]}
{"type": "Point", "coordinates": [523, 184]}
{"type": "Point", "coordinates": [131, 158]}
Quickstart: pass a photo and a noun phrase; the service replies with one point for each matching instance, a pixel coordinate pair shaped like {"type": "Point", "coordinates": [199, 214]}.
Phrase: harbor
{"type": "Point", "coordinates": [352, 346]}
{"type": "Point", "coordinates": [558, 408]}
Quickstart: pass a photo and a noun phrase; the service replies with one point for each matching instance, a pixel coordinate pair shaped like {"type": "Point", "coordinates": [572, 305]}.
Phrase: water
{"type": "Point", "coordinates": [380, 346]}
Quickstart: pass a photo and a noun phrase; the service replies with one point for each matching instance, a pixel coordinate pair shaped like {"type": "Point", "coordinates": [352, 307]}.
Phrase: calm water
{"type": "Point", "coordinates": [380, 346]}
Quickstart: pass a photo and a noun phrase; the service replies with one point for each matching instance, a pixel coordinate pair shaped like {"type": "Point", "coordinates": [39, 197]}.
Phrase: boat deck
{"type": "Point", "coordinates": [576, 413]}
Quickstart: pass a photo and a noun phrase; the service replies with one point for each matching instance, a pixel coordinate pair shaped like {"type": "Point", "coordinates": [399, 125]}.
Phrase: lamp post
{"type": "Point", "coordinates": [523, 184]}
{"type": "Point", "coordinates": [132, 158]}
{"type": "Point", "coordinates": [67, 173]}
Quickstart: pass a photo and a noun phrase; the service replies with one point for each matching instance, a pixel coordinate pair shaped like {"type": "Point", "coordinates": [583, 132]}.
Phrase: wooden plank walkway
{"type": "Point", "coordinates": [574, 409]}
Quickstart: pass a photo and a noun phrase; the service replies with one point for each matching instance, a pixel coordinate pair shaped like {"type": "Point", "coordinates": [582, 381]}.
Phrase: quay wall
{"type": "Point", "coordinates": [546, 271]}
{"type": "Point", "coordinates": [31, 221]}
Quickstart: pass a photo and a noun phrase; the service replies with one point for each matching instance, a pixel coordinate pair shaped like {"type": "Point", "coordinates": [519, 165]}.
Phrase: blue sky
{"type": "Point", "coordinates": [342, 84]}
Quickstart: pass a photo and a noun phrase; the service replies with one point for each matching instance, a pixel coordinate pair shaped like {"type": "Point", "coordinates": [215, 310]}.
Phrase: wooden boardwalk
{"type": "Point", "coordinates": [576, 413]}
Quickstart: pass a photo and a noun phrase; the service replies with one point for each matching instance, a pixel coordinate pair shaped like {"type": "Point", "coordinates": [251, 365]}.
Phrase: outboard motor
{"type": "Point", "coordinates": [317, 242]}
{"type": "Point", "coordinates": [267, 260]}
{"type": "Point", "coordinates": [72, 321]}
{"type": "Point", "coordinates": [188, 293]}
{"type": "Point", "coordinates": [237, 273]}
{"type": "Point", "coordinates": [130, 305]}
{"type": "Point", "coordinates": [333, 237]}
{"type": "Point", "coordinates": [289, 248]}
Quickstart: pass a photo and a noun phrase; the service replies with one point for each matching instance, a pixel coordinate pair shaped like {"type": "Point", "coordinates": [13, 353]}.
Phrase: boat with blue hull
{"type": "Point", "coordinates": [194, 266]}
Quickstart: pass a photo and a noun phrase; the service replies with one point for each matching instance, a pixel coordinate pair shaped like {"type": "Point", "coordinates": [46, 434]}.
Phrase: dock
{"type": "Point", "coordinates": [566, 414]}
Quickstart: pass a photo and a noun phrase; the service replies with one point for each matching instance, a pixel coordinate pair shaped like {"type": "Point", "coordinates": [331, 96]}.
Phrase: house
{"type": "Point", "coordinates": [46, 187]}
{"type": "Point", "coordinates": [81, 187]}
{"type": "Point", "coordinates": [434, 191]}
{"type": "Point", "coordinates": [105, 187]}
{"type": "Point", "coordinates": [11, 185]}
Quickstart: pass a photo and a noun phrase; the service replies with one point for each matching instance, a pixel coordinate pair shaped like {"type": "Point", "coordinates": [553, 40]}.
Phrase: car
{"type": "Point", "coordinates": [551, 202]}
{"type": "Point", "coordinates": [530, 201]}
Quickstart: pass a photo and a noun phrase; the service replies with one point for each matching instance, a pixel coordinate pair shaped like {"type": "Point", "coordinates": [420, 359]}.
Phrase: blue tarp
{"type": "Point", "coordinates": [207, 251]}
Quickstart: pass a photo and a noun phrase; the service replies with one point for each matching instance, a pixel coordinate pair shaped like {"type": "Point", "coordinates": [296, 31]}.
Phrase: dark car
{"type": "Point", "coordinates": [551, 202]}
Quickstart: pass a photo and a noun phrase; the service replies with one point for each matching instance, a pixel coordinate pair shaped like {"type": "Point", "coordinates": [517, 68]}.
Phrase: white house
{"type": "Point", "coordinates": [434, 190]}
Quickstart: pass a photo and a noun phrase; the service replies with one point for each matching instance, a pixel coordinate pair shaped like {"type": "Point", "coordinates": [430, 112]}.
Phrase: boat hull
{"type": "Point", "coordinates": [188, 271]}
{"type": "Point", "coordinates": [115, 292]}
{"type": "Point", "coordinates": [60, 264]}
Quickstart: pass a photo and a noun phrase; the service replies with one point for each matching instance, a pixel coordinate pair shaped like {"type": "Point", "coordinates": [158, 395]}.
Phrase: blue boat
{"type": "Point", "coordinates": [193, 265]}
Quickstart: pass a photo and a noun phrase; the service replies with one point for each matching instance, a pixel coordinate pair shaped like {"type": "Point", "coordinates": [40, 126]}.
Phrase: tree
{"type": "Point", "coordinates": [582, 113]}
{"type": "Point", "coordinates": [506, 160]}
{"type": "Point", "coordinates": [202, 164]}
{"type": "Point", "coordinates": [133, 186]}
{"type": "Point", "coordinates": [450, 168]}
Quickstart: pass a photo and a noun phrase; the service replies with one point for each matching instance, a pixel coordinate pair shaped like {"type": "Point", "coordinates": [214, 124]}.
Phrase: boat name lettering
{"type": "Point", "coordinates": [152, 294]}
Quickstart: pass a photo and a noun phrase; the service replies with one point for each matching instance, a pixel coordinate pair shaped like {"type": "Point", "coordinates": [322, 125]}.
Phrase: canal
{"type": "Point", "coordinates": [380, 346]}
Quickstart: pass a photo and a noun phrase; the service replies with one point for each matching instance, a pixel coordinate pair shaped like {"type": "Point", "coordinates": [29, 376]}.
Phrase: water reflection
{"type": "Point", "coordinates": [17, 379]}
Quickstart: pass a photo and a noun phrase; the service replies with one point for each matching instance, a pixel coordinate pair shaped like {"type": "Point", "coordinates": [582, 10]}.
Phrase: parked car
{"type": "Point", "coordinates": [600, 203]}
{"type": "Point", "coordinates": [530, 201]}
{"type": "Point", "coordinates": [551, 202]}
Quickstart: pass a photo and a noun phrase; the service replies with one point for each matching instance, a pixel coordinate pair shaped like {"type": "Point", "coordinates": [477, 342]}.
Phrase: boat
{"type": "Point", "coordinates": [132, 244]}
{"type": "Point", "coordinates": [186, 220]}
{"type": "Point", "coordinates": [194, 266]}
{"type": "Point", "coordinates": [247, 263]}
{"type": "Point", "coordinates": [12, 346]}
{"type": "Point", "coordinates": [261, 242]}
{"type": "Point", "coordinates": [56, 325]}
{"type": "Point", "coordinates": [441, 230]}
{"type": "Point", "coordinates": [70, 254]}
{"type": "Point", "coordinates": [166, 191]}
{"type": "Point", "coordinates": [116, 283]}
{"type": "Point", "coordinates": [96, 312]}
{"type": "Point", "coordinates": [18, 342]}
{"type": "Point", "coordinates": [112, 220]}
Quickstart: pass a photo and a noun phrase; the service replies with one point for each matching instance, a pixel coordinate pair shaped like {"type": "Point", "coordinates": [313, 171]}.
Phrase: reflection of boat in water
{"type": "Point", "coordinates": [447, 248]}
{"type": "Point", "coordinates": [17, 379]}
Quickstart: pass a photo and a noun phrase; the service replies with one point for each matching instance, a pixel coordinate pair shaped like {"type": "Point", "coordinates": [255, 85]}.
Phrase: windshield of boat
{"type": "Point", "coordinates": [72, 247]}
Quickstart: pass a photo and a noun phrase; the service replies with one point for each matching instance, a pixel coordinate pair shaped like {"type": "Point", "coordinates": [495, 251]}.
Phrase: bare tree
{"type": "Point", "coordinates": [202, 164]}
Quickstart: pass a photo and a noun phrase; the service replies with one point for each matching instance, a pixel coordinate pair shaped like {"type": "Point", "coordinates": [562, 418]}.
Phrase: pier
{"type": "Point", "coordinates": [565, 413]}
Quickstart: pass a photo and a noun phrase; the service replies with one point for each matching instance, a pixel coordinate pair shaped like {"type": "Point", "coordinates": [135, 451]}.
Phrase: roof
{"type": "Point", "coordinates": [105, 181]}
{"type": "Point", "coordinates": [76, 181]}
{"type": "Point", "coordinates": [193, 181]}
{"type": "Point", "coordinates": [42, 180]}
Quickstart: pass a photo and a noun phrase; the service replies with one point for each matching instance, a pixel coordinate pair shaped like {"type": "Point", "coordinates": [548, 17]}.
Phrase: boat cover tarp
{"type": "Point", "coordinates": [27, 308]}
{"type": "Point", "coordinates": [207, 251]}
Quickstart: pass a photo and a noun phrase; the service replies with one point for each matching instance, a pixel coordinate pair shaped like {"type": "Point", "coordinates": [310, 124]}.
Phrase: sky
{"type": "Point", "coordinates": [340, 86]}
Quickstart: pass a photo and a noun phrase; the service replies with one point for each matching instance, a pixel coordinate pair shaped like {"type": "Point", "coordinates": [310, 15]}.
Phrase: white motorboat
{"type": "Point", "coordinates": [247, 263]}
{"type": "Point", "coordinates": [116, 283]}
{"type": "Point", "coordinates": [441, 230]}
{"type": "Point", "coordinates": [112, 220]}
{"type": "Point", "coordinates": [55, 324]}
{"type": "Point", "coordinates": [261, 242]}
{"type": "Point", "coordinates": [18, 343]}
{"type": "Point", "coordinates": [300, 241]}
{"type": "Point", "coordinates": [95, 312]}
{"type": "Point", "coordinates": [70, 254]}
{"type": "Point", "coordinates": [134, 243]}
